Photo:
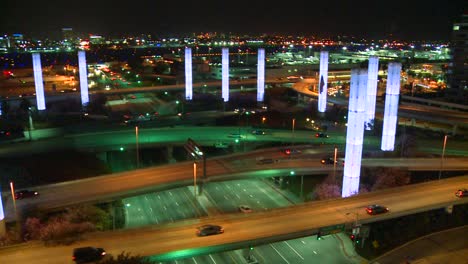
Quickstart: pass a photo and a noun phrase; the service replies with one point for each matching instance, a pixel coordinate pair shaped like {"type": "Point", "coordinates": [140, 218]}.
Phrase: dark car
{"type": "Point", "coordinates": [258, 132]}
{"type": "Point", "coordinates": [321, 135]}
{"type": "Point", "coordinates": [208, 230]}
{"type": "Point", "coordinates": [462, 193]}
{"type": "Point", "coordinates": [266, 161]}
{"type": "Point", "coordinates": [291, 151]}
{"type": "Point", "coordinates": [328, 160]}
{"type": "Point", "coordinates": [88, 254]}
{"type": "Point", "coordinates": [25, 194]}
{"type": "Point", "coordinates": [376, 209]}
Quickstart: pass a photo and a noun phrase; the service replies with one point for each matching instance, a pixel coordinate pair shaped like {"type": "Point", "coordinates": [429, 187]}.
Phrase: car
{"type": "Point", "coordinates": [376, 209]}
{"type": "Point", "coordinates": [245, 208]}
{"type": "Point", "coordinates": [208, 230]}
{"type": "Point", "coordinates": [88, 254]}
{"type": "Point", "coordinates": [25, 194]}
{"type": "Point", "coordinates": [291, 151]}
{"type": "Point", "coordinates": [462, 193]}
{"type": "Point", "coordinates": [321, 135]}
{"type": "Point", "coordinates": [258, 132]}
{"type": "Point", "coordinates": [266, 161]}
{"type": "Point", "coordinates": [235, 135]}
{"type": "Point", "coordinates": [328, 160]}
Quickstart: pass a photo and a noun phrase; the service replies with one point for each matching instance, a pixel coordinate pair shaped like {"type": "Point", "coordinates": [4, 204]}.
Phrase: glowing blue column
{"type": "Point", "coordinates": [188, 74]}
{"type": "Point", "coordinates": [261, 75]}
{"type": "Point", "coordinates": [391, 106]}
{"type": "Point", "coordinates": [323, 81]}
{"type": "Point", "coordinates": [355, 132]}
{"type": "Point", "coordinates": [83, 77]}
{"type": "Point", "coordinates": [2, 214]}
{"type": "Point", "coordinates": [225, 64]}
{"type": "Point", "coordinates": [38, 81]}
{"type": "Point", "coordinates": [372, 78]}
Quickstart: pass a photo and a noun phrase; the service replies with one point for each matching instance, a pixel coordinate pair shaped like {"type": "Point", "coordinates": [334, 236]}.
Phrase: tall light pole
{"type": "Point", "coordinates": [195, 178]}
{"type": "Point", "coordinates": [137, 149]}
{"type": "Point", "coordinates": [334, 164]}
{"type": "Point", "coordinates": [293, 125]}
{"type": "Point", "coordinates": [442, 158]}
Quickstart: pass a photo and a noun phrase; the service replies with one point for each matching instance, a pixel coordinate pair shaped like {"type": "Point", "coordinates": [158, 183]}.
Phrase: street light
{"type": "Point", "coordinates": [195, 178]}
{"type": "Point", "coordinates": [442, 158]}
{"type": "Point", "coordinates": [293, 126]}
{"type": "Point", "coordinates": [137, 149]}
{"type": "Point", "coordinates": [334, 164]}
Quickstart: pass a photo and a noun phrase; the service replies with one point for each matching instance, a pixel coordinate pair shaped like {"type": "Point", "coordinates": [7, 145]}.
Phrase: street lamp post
{"type": "Point", "coordinates": [195, 178]}
{"type": "Point", "coordinates": [442, 158]}
{"type": "Point", "coordinates": [137, 149]}
{"type": "Point", "coordinates": [293, 126]}
{"type": "Point", "coordinates": [334, 164]}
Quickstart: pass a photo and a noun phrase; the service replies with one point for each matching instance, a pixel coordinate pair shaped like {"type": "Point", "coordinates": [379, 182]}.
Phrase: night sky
{"type": "Point", "coordinates": [404, 19]}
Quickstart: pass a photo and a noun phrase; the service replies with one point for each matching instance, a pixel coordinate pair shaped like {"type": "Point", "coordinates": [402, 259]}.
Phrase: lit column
{"type": "Point", "coordinates": [372, 78]}
{"type": "Point", "coordinates": [323, 79]}
{"type": "Point", "coordinates": [83, 77]}
{"type": "Point", "coordinates": [2, 216]}
{"type": "Point", "coordinates": [38, 81]}
{"type": "Point", "coordinates": [225, 69]}
{"type": "Point", "coordinates": [188, 74]}
{"type": "Point", "coordinates": [261, 75]}
{"type": "Point", "coordinates": [355, 132]}
{"type": "Point", "coordinates": [391, 106]}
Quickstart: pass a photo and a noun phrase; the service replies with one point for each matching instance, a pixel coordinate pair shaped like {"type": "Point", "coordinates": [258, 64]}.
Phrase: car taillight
{"type": "Point", "coordinates": [73, 258]}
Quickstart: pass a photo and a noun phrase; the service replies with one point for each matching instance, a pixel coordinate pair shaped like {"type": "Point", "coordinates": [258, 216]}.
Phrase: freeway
{"type": "Point", "coordinates": [125, 184]}
{"type": "Point", "coordinates": [178, 240]}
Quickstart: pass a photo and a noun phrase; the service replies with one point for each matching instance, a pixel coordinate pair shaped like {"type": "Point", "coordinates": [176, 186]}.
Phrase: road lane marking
{"type": "Point", "coordinates": [315, 252]}
{"type": "Point", "coordinates": [303, 242]}
{"type": "Point", "coordinates": [294, 250]}
{"type": "Point", "coordinates": [279, 254]}
{"type": "Point", "coordinates": [194, 260]}
{"type": "Point", "coordinates": [212, 259]}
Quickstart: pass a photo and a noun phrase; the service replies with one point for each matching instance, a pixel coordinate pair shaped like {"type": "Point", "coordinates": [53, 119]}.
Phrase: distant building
{"type": "Point", "coordinates": [96, 39]}
{"type": "Point", "coordinates": [458, 67]}
{"type": "Point", "coordinates": [68, 34]}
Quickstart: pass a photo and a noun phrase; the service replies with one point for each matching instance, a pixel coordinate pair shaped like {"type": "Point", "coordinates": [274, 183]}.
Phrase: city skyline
{"type": "Point", "coordinates": [428, 20]}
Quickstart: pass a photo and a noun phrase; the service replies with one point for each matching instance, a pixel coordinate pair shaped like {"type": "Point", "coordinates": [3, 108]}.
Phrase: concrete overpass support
{"type": "Point", "coordinates": [372, 78]}
{"type": "Point", "coordinates": [188, 74]}
{"type": "Point", "coordinates": [39, 83]}
{"type": "Point", "coordinates": [83, 77]}
{"type": "Point", "coordinates": [170, 155]}
{"type": "Point", "coordinates": [355, 132]}
{"type": "Point", "coordinates": [225, 73]}
{"type": "Point", "coordinates": [323, 79]}
{"type": "Point", "coordinates": [261, 75]}
{"type": "Point", "coordinates": [391, 106]}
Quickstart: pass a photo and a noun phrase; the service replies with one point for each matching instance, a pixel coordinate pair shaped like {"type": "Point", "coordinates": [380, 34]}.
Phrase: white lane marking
{"type": "Point", "coordinates": [177, 203]}
{"type": "Point", "coordinates": [225, 197]}
{"type": "Point", "coordinates": [315, 252]}
{"type": "Point", "coordinates": [212, 259]}
{"type": "Point", "coordinates": [279, 253]}
{"type": "Point", "coordinates": [244, 190]}
{"type": "Point", "coordinates": [170, 193]}
{"type": "Point", "coordinates": [194, 260]}
{"type": "Point", "coordinates": [294, 250]}
{"type": "Point", "coordinates": [303, 242]}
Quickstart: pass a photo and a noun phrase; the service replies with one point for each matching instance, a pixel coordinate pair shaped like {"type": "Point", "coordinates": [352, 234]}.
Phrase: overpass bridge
{"type": "Point", "coordinates": [178, 240]}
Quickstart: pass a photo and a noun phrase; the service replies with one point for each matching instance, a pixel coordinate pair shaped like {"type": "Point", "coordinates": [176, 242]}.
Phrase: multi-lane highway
{"type": "Point", "coordinates": [165, 177]}
{"type": "Point", "coordinates": [178, 240]}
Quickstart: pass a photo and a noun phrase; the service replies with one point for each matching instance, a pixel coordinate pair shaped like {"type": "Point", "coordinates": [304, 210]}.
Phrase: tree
{"type": "Point", "coordinates": [125, 258]}
{"type": "Point", "coordinates": [32, 228]}
{"type": "Point", "coordinates": [390, 177]}
{"type": "Point", "coordinates": [327, 191]}
{"type": "Point", "coordinates": [88, 213]}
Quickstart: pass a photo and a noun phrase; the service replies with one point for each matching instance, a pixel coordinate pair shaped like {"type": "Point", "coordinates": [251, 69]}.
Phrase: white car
{"type": "Point", "coordinates": [245, 209]}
